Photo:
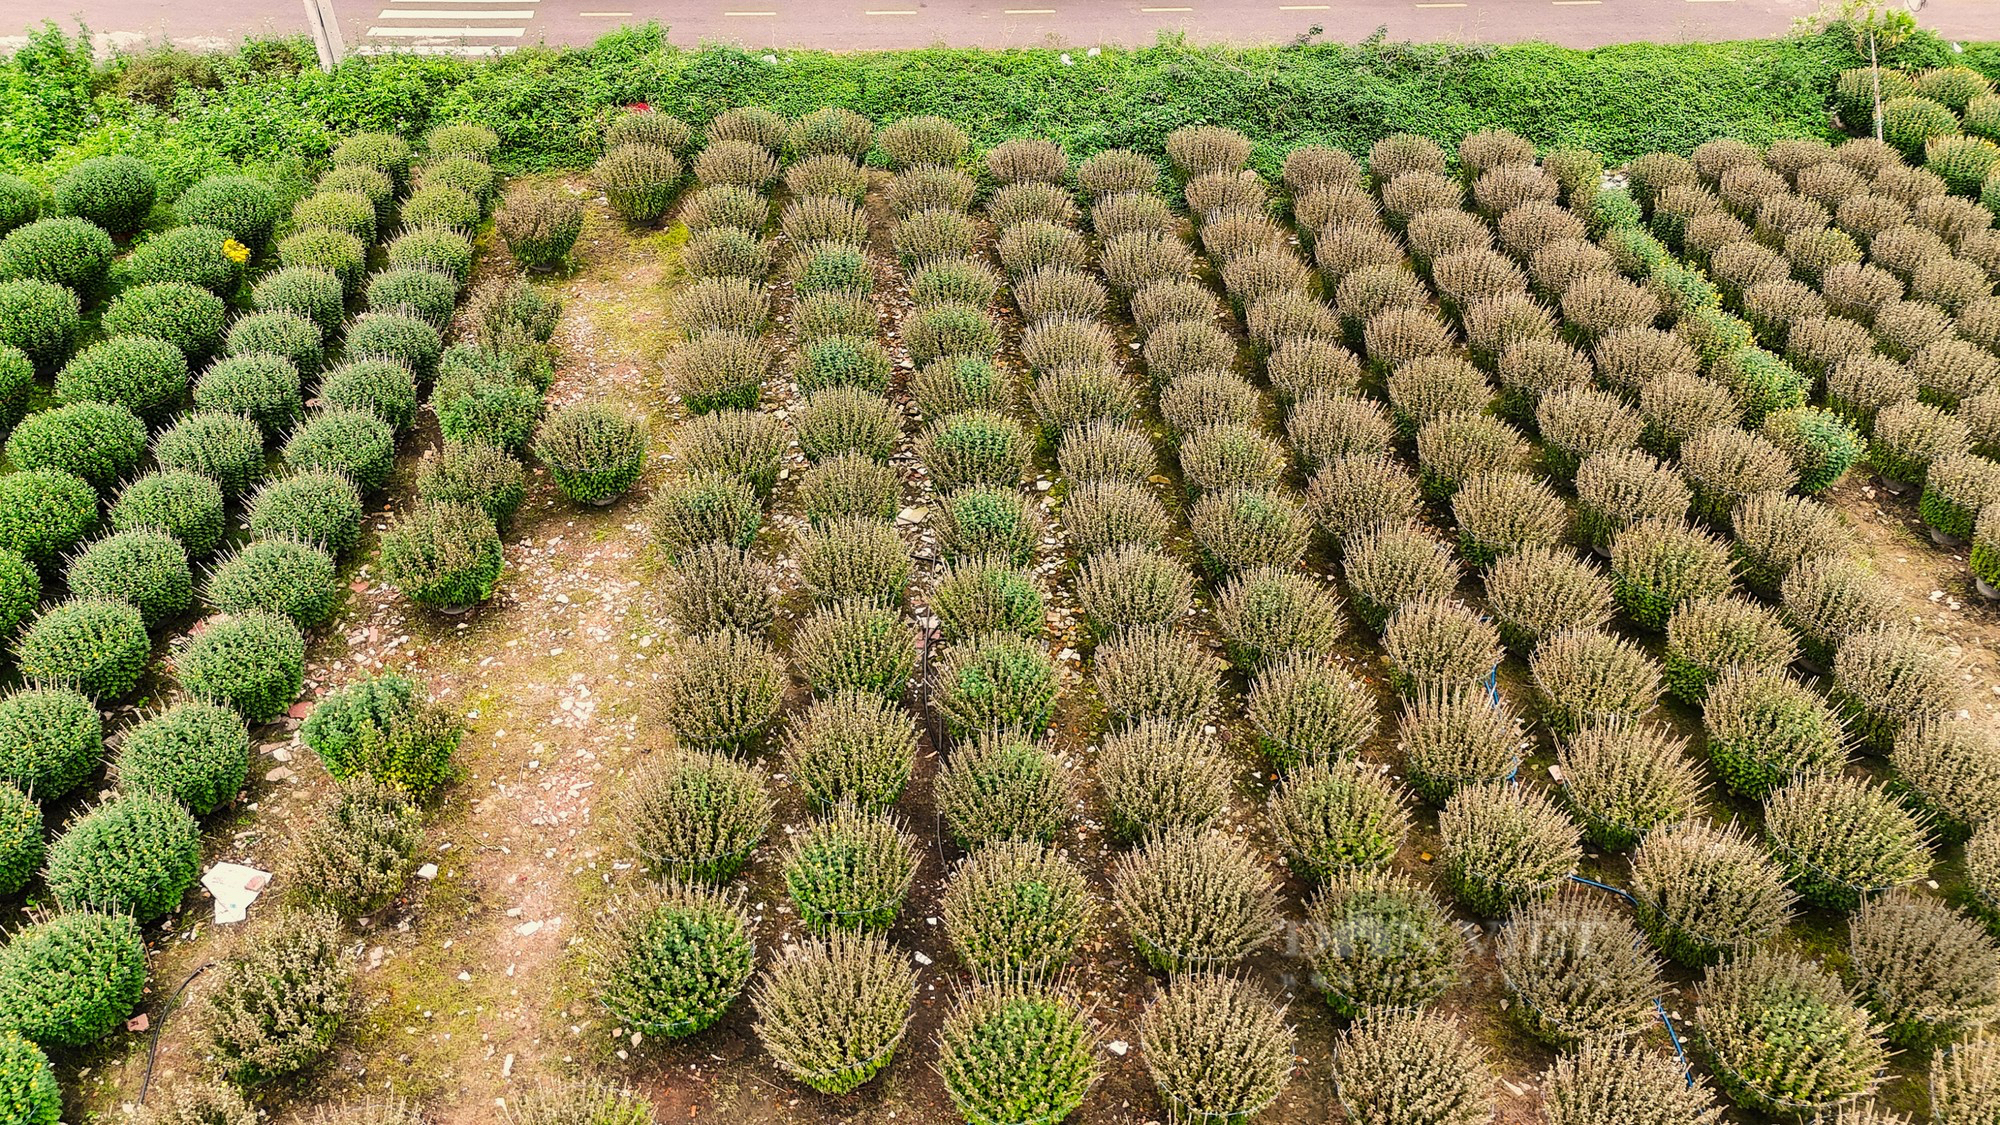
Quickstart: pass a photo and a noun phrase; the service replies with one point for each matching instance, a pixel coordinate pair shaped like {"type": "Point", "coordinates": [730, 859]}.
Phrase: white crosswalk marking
{"type": "Point", "coordinates": [426, 14]}
{"type": "Point", "coordinates": [445, 32]}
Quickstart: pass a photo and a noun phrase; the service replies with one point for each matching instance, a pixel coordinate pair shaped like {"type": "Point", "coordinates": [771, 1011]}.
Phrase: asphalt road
{"type": "Point", "coordinates": [486, 26]}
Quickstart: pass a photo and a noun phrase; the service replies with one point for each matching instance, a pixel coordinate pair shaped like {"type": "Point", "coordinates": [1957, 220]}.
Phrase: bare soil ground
{"type": "Point", "coordinates": [470, 986]}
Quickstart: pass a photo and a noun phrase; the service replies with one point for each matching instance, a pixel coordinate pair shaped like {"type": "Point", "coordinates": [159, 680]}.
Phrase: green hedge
{"type": "Point", "coordinates": [267, 102]}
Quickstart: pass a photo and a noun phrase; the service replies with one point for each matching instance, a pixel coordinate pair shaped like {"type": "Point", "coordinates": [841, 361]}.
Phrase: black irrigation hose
{"type": "Point", "coordinates": [1673, 1035]}
{"type": "Point", "coordinates": [153, 1050]}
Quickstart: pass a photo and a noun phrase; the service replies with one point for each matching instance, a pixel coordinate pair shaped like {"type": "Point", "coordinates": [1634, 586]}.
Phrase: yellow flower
{"type": "Point", "coordinates": [235, 251]}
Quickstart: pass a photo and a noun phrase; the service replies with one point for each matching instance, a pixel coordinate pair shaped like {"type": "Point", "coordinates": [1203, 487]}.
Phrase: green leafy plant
{"type": "Point", "coordinates": [593, 452]}
{"type": "Point", "coordinates": [832, 1012]}
{"type": "Point", "coordinates": [670, 961]}
{"type": "Point", "coordinates": [99, 442]}
{"type": "Point", "coordinates": [444, 555]}
{"type": "Point", "coordinates": [315, 506]}
{"type": "Point", "coordinates": [1503, 845]}
{"type": "Point", "coordinates": [1194, 900]}
{"type": "Point", "coordinates": [260, 386]}
{"type": "Point", "coordinates": [97, 645]}
{"type": "Point", "coordinates": [1216, 1046]}
{"type": "Point", "coordinates": [850, 870]}
{"type": "Point", "coordinates": [1831, 1054]}
{"type": "Point", "coordinates": [253, 662]}
{"type": "Point", "coordinates": [1016, 907]}
{"type": "Point", "coordinates": [186, 316]}
{"type": "Point", "coordinates": [72, 979]}
{"type": "Point", "coordinates": [354, 443]}
{"type": "Point", "coordinates": [225, 448]}
{"type": "Point", "coordinates": [1603, 1082]}
{"type": "Point", "coordinates": [1001, 787]}
{"type": "Point", "coordinates": [1925, 970]}
{"type": "Point", "coordinates": [1330, 817]}
{"type": "Point", "coordinates": [1015, 1051]}
{"type": "Point", "coordinates": [135, 854]}
{"type": "Point", "coordinates": [197, 754]}
{"type": "Point", "coordinates": [1842, 838]}
{"type": "Point", "coordinates": [277, 1002]}
{"type": "Point", "coordinates": [697, 816]}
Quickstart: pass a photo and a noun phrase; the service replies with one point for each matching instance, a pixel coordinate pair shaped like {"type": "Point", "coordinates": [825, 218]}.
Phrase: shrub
{"type": "Point", "coordinates": [1390, 567]}
{"type": "Point", "coordinates": [1225, 456]}
{"type": "Point", "coordinates": [933, 235]}
{"type": "Point", "coordinates": [844, 361]}
{"type": "Point", "coordinates": [1304, 711]}
{"type": "Point", "coordinates": [1956, 488]}
{"type": "Point", "coordinates": [439, 249]}
{"type": "Point", "coordinates": [1149, 671]}
{"type": "Point", "coordinates": [1160, 775]}
{"type": "Point", "coordinates": [20, 590]}
{"type": "Point", "coordinates": [353, 853]}
{"type": "Point", "coordinates": [1033, 245]}
{"type": "Point", "coordinates": [1841, 839]}
{"type": "Point", "coordinates": [1195, 900]}
{"type": "Point", "coordinates": [849, 485]}
{"type": "Point", "coordinates": [1624, 780]}
{"type": "Point", "coordinates": [1216, 1046]}
{"type": "Point", "coordinates": [407, 340]}
{"type": "Point", "coordinates": [185, 316]}
{"type": "Point", "coordinates": [99, 442]}
{"type": "Point", "coordinates": [1776, 533]}
{"type": "Point", "coordinates": [1107, 451]}
{"type": "Point", "coordinates": [1454, 736]}
{"type": "Point", "coordinates": [965, 281]}
{"type": "Point", "coordinates": [115, 192]}
{"type": "Point", "coordinates": [854, 557]}
{"type": "Point", "coordinates": [1267, 615]}
{"type": "Point", "coordinates": [1589, 678]}
{"type": "Point", "coordinates": [831, 1013]}
{"type": "Point", "coordinates": [698, 817]}
{"type": "Point", "coordinates": [1962, 1080]}
{"type": "Point", "coordinates": [27, 1084]}
{"type": "Point", "coordinates": [439, 204]}
{"type": "Point", "coordinates": [669, 961]}
{"type": "Point", "coordinates": [286, 577]}
{"type": "Point", "coordinates": [66, 251]}
{"type": "Point", "coordinates": [277, 334]}
{"type": "Point", "coordinates": [1725, 466]}
{"type": "Point", "coordinates": [1454, 447]}
{"type": "Point", "coordinates": [1885, 679]}
{"type": "Point", "coordinates": [279, 1000]}
{"type": "Point", "coordinates": [44, 512]}
{"type": "Point", "coordinates": [383, 387]}
{"type": "Point", "coordinates": [1024, 202]}
{"type": "Point", "coordinates": [1001, 787]}
{"type": "Point", "coordinates": [348, 211]}
{"type": "Point", "coordinates": [97, 645]}
{"type": "Point", "coordinates": [1827, 599]}
{"type": "Point", "coordinates": [226, 448]}
{"type": "Point", "coordinates": [1925, 970]}
{"type": "Point", "coordinates": [593, 452]}
{"type": "Point", "coordinates": [1858, 388]}
{"type": "Point", "coordinates": [1538, 591]}
{"type": "Point", "coordinates": [1412, 1068]}
{"type": "Point", "coordinates": [1657, 565]}
{"type": "Point", "coordinates": [850, 870]}
{"type": "Point", "coordinates": [134, 854]}
{"type": "Point", "coordinates": [1945, 769]}
{"type": "Point", "coordinates": [315, 507]}
{"type": "Point", "coordinates": [725, 690]}
{"type": "Point", "coordinates": [941, 330]}
{"type": "Point", "coordinates": [21, 848]}
{"type": "Point", "coordinates": [639, 179]}
{"type": "Point", "coordinates": [741, 443]}
{"type": "Point", "coordinates": [332, 251]}
{"type": "Point", "coordinates": [986, 596]}
{"type": "Point", "coordinates": [833, 314]}
{"type": "Point", "coordinates": [408, 291]}
{"type": "Point", "coordinates": [992, 683]}
{"type": "Point", "coordinates": [1071, 397]}
{"type": "Point", "coordinates": [1832, 1055]}
{"type": "Point", "coordinates": [855, 647]}
{"type": "Point", "coordinates": [1103, 515]}
{"type": "Point", "coordinates": [1016, 908]}
{"type": "Point", "coordinates": [1677, 406]}
{"type": "Point", "coordinates": [1499, 513]}
{"type": "Point", "coordinates": [717, 586]}
{"type": "Point", "coordinates": [245, 207]}
{"type": "Point", "coordinates": [1329, 818]}
{"type": "Point", "coordinates": [852, 745]}
{"type": "Point", "coordinates": [1359, 494]}
{"type": "Point", "coordinates": [147, 569]}
{"type": "Point", "coordinates": [1950, 370]}
{"type": "Point", "coordinates": [987, 521]}
{"type": "Point", "coordinates": [1613, 1081]}
{"type": "Point", "coordinates": [1578, 969]}
{"type": "Point", "coordinates": [1765, 729]}
{"type": "Point", "coordinates": [1437, 642]}
{"type": "Point", "coordinates": [1325, 426]}
{"type": "Point", "coordinates": [197, 754]}
{"type": "Point", "coordinates": [1908, 436]}
{"type": "Point", "coordinates": [261, 387]}
{"type": "Point", "coordinates": [720, 371]}
{"type": "Point", "coordinates": [1201, 398]}
{"type": "Point", "coordinates": [72, 979]}
{"type": "Point", "coordinates": [1503, 846]}
{"type": "Point", "coordinates": [1016, 1051]}
{"type": "Point", "coordinates": [353, 443]}
{"type": "Point", "coordinates": [41, 319]}
{"type": "Point", "coordinates": [842, 419]}
{"type": "Point", "coordinates": [1115, 171]}
{"type": "Point", "coordinates": [975, 448]}
{"type": "Point", "coordinates": [1027, 160]}
{"type": "Point", "coordinates": [1705, 636]}
{"type": "Point", "coordinates": [930, 186]}
{"type": "Point", "coordinates": [1705, 893]}
{"type": "Point", "coordinates": [726, 252]}
{"type": "Point", "coordinates": [253, 662]}
{"type": "Point", "coordinates": [1246, 528]}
